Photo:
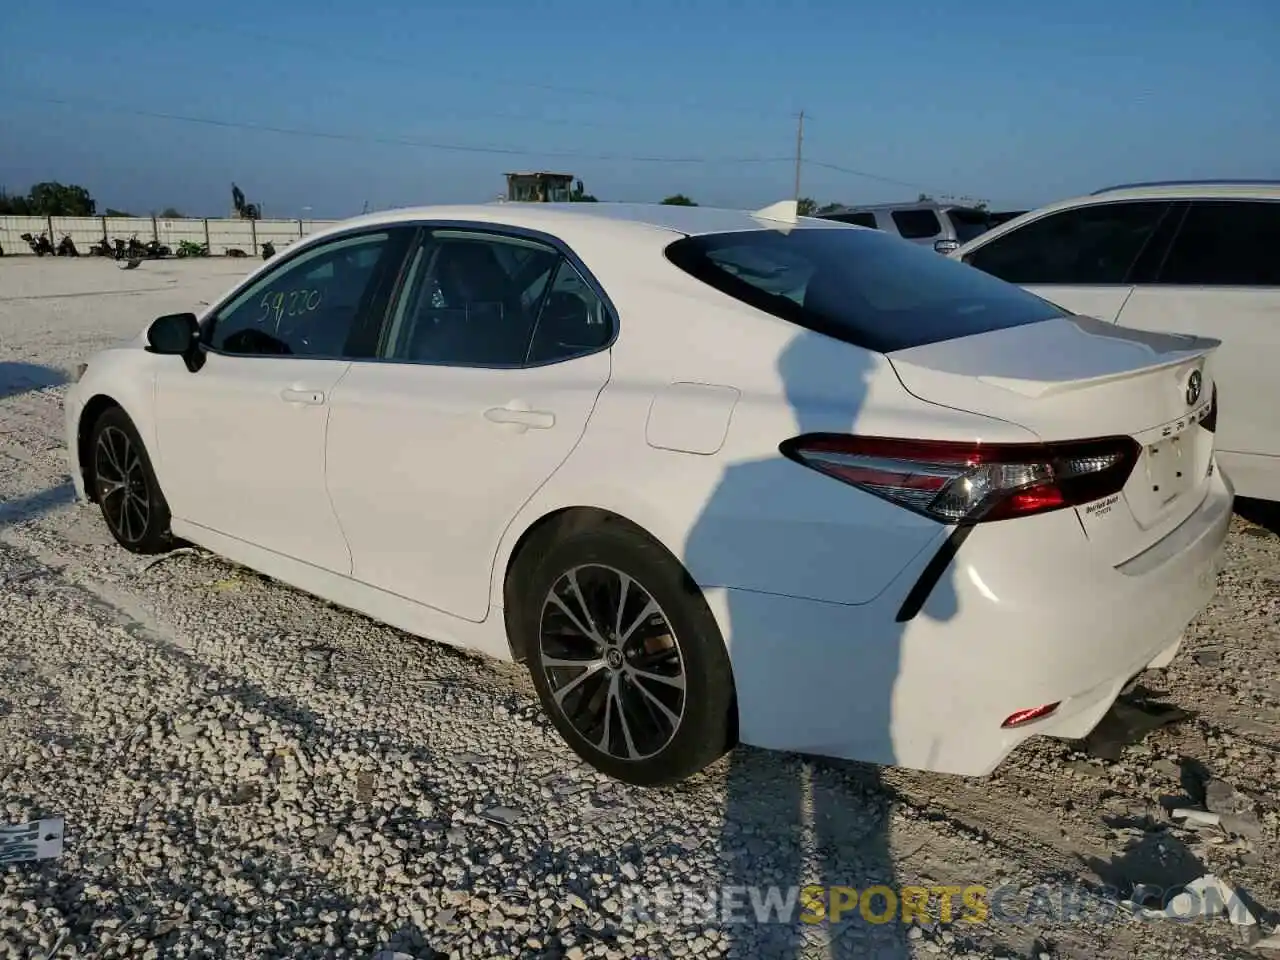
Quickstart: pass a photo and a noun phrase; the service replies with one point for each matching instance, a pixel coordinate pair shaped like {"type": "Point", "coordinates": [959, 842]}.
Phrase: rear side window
{"type": "Point", "coordinates": [1226, 243]}
{"type": "Point", "coordinates": [917, 224]}
{"type": "Point", "coordinates": [864, 288]}
{"type": "Point", "coordinates": [1084, 245]}
{"type": "Point", "coordinates": [968, 223]}
{"type": "Point", "coordinates": [865, 219]}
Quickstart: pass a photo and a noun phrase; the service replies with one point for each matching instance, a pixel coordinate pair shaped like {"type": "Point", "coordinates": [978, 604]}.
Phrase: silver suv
{"type": "Point", "coordinates": [944, 226]}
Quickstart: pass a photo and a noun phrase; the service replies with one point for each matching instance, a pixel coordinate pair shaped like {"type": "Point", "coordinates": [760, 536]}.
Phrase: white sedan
{"type": "Point", "coordinates": [715, 476]}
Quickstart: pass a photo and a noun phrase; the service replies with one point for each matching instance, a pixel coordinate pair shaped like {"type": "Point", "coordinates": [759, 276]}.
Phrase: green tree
{"type": "Point", "coordinates": [11, 205]}
{"type": "Point", "coordinates": [806, 206]}
{"type": "Point", "coordinates": [113, 212]}
{"type": "Point", "coordinates": [679, 200]}
{"type": "Point", "coordinates": [580, 195]}
{"type": "Point", "coordinates": [924, 198]}
{"type": "Point", "coordinates": [53, 199]}
{"type": "Point", "coordinates": [171, 213]}
{"type": "Point", "coordinates": [829, 208]}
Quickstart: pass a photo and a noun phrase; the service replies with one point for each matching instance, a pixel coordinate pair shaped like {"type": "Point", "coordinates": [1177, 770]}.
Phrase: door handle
{"type": "Point", "coordinates": [521, 418]}
{"type": "Point", "coordinates": [295, 395]}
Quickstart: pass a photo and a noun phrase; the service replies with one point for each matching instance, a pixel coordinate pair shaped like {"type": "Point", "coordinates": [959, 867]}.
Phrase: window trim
{"type": "Point", "coordinates": [987, 239]}
{"type": "Point", "coordinates": [1189, 205]}
{"type": "Point", "coordinates": [507, 232]}
{"type": "Point", "coordinates": [211, 318]}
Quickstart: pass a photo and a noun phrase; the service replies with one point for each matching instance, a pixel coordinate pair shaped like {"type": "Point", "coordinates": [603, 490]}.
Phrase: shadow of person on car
{"type": "Point", "coordinates": [813, 676]}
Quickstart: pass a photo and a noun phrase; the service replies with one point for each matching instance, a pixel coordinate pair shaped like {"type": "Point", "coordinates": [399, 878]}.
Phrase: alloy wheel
{"type": "Point", "coordinates": [612, 661]}
{"type": "Point", "coordinates": [122, 485]}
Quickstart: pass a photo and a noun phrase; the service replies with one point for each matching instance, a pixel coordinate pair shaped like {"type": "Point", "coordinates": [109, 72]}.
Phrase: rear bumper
{"type": "Point", "coordinates": [1025, 615]}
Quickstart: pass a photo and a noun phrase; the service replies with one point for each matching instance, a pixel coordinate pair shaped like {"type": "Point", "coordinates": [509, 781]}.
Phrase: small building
{"type": "Point", "coordinates": [540, 187]}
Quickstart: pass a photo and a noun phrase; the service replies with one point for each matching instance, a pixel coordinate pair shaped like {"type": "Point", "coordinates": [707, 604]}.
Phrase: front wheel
{"type": "Point", "coordinates": [627, 658]}
{"type": "Point", "coordinates": [125, 486]}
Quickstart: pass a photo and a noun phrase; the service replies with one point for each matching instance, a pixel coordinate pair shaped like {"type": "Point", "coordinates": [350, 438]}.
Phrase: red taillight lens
{"type": "Point", "coordinates": [1210, 420]}
{"type": "Point", "coordinates": [1023, 717]}
{"type": "Point", "coordinates": [972, 482]}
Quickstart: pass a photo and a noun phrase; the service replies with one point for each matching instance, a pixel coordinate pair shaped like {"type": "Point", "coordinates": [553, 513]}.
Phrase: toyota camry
{"type": "Point", "coordinates": [715, 476]}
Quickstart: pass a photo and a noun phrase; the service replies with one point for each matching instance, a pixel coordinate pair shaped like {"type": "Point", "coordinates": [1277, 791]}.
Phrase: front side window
{"type": "Point", "coordinates": [917, 224]}
{"type": "Point", "coordinates": [315, 305]}
{"type": "Point", "coordinates": [479, 299]}
{"type": "Point", "coordinates": [859, 286]}
{"type": "Point", "coordinates": [1226, 243]}
{"type": "Point", "coordinates": [1085, 245]}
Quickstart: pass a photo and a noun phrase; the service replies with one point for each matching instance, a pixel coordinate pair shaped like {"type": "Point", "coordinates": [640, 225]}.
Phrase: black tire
{"type": "Point", "coordinates": [125, 485]}
{"type": "Point", "coordinates": [599, 555]}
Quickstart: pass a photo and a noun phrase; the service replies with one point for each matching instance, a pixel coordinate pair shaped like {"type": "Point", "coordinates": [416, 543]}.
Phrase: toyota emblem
{"type": "Point", "coordinates": [1193, 388]}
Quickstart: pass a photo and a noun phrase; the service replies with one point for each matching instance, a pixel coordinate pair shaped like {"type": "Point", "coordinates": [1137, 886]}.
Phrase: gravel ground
{"type": "Point", "coordinates": [246, 771]}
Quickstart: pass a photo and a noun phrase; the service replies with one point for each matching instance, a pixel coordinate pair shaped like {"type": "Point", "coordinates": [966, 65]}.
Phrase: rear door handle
{"type": "Point", "coordinates": [520, 418]}
{"type": "Point", "coordinates": [296, 395]}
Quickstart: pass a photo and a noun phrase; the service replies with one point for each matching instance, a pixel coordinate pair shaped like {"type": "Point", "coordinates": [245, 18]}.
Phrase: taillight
{"type": "Point", "coordinates": [972, 482]}
{"type": "Point", "coordinates": [1210, 420]}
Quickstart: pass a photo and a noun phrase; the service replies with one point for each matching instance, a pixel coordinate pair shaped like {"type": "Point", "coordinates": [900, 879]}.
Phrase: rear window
{"type": "Point", "coordinates": [864, 288]}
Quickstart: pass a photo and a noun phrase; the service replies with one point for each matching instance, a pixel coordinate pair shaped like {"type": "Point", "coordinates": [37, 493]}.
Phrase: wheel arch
{"type": "Point", "coordinates": [532, 543]}
{"type": "Point", "coordinates": [96, 406]}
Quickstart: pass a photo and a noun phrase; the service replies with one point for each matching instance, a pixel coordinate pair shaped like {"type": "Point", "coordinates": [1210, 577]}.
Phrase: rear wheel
{"type": "Point", "coordinates": [125, 485]}
{"type": "Point", "coordinates": [627, 659]}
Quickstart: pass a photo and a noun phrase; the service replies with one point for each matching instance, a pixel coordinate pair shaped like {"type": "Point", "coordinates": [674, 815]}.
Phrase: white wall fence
{"type": "Point", "coordinates": [220, 235]}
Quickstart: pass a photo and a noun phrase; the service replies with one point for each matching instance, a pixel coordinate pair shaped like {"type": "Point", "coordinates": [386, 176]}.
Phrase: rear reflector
{"type": "Point", "coordinates": [1026, 716]}
{"type": "Point", "coordinates": [956, 482]}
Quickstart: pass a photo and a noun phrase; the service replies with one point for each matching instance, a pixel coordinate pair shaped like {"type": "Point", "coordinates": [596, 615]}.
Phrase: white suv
{"type": "Point", "coordinates": [1185, 257]}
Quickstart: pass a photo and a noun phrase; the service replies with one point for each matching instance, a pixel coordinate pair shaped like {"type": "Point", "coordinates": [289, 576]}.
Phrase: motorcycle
{"type": "Point", "coordinates": [189, 248]}
{"type": "Point", "coordinates": [39, 245]}
{"type": "Point", "coordinates": [101, 249]}
{"type": "Point", "coordinates": [67, 247]}
{"type": "Point", "coordinates": [157, 250]}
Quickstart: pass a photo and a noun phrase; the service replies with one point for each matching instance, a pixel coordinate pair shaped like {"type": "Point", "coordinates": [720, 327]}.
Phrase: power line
{"type": "Point", "coordinates": [867, 176]}
{"type": "Point", "coordinates": [398, 141]}
{"type": "Point", "coordinates": [87, 104]}
{"type": "Point", "coordinates": [420, 66]}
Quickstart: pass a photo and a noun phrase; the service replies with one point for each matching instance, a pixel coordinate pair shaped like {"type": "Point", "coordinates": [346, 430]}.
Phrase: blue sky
{"type": "Point", "coordinates": [1013, 101]}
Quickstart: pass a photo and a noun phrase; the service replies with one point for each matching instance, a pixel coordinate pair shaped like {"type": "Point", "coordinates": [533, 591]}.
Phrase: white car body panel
{"type": "Point", "coordinates": [803, 573]}
{"type": "Point", "coordinates": [242, 447]}
{"type": "Point", "coordinates": [1245, 319]}
{"type": "Point", "coordinates": [424, 482]}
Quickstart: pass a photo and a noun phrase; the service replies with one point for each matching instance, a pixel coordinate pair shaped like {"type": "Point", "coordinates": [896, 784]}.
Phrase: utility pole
{"type": "Point", "coordinates": [799, 148]}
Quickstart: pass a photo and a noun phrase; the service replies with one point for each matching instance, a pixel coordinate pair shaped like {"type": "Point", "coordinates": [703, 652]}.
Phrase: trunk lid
{"type": "Point", "coordinates": [1076, 378]}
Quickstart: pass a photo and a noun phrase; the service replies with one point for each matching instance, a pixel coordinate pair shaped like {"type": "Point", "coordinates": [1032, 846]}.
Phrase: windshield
{"type": "Point", "coordinates": [859, 286]}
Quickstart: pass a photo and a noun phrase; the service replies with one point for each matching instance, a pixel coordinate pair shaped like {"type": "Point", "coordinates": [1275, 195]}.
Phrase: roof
{"type": "Point", "coordinates": [541, 173]}
{"type": "Point", "coordinates": [908, 205]}
{"type": "Point", "coordinates": [617, 218]}
{"type": "Point", "coordinates": [1195, 187]}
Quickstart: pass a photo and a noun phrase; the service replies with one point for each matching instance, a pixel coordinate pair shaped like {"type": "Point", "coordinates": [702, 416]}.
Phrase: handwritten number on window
{"type": "Point", "coordinates": [294, 303]}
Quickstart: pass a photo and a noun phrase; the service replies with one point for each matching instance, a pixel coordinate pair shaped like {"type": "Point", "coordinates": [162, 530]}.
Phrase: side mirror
{"type": "Point", "coordinates": [946, 246]}
{"type": "Point", "coordinates": [173, 334]}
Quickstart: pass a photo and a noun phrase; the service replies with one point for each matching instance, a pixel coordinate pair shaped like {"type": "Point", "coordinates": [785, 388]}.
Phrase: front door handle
{"type": "Point", "coordinates": [296, 395]}
{"type": "Point", "coordinates": [520, 417]}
